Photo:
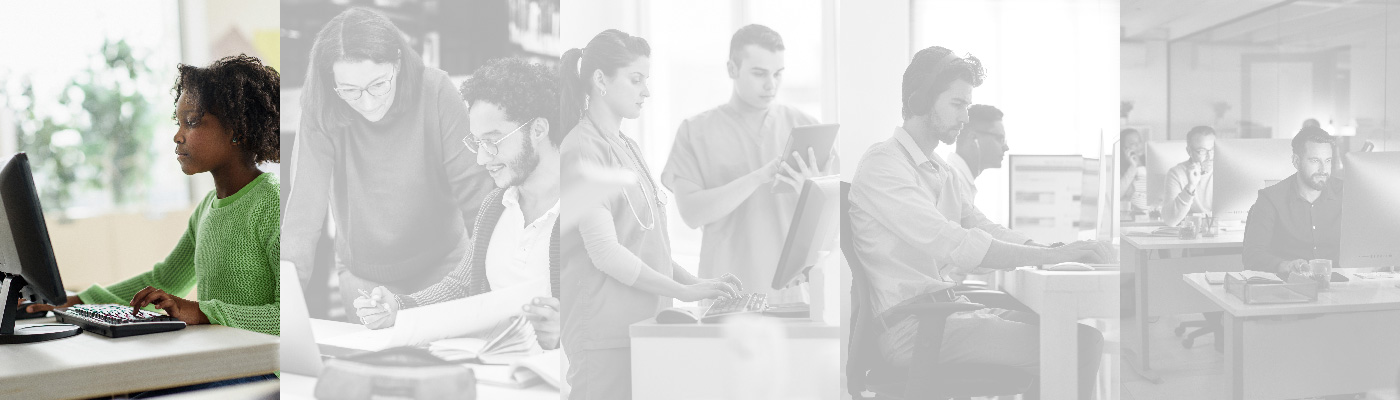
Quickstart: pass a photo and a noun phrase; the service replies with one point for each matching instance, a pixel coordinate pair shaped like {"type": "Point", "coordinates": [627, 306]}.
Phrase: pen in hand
{"type": "Point", "coordinates": [373, 301]}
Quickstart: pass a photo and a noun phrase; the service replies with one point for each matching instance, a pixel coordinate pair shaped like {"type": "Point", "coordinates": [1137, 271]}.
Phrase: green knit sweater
{"type": "Point", "coordinates": [230, 250]}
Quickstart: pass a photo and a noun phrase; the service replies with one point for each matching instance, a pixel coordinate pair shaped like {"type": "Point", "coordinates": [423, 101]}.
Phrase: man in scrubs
{"type": "Point", "coordinates": [725, 162]}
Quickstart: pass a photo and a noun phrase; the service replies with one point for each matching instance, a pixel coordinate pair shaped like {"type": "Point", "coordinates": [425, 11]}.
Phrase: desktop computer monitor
{"type": "Point", "coordinates": [1089, 195]}
{"type": "Point", "coordinates": [27, 266]}
{"type": "Point", "coordinates": [813, 225]}
{"type": "Point", "coordinates": [1370, 215]}
{"type": "Point", "coordinates": [1161, 156]}
{"type": "Point", "coordinates": [1242, 168]}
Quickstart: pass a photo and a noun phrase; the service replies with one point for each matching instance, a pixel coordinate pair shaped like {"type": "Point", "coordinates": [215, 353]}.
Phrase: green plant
{"type": "Point", "coordinates": [105, 145]}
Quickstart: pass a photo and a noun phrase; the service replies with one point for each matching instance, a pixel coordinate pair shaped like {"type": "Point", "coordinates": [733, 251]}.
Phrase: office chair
{"type": "Point", "coordinates": [924, 378]}
{"type": "Point", "coordinates": [1210, 325]}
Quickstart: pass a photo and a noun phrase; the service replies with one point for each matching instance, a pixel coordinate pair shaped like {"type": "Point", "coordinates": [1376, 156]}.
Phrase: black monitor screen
{"type": "Point", "coordinates": [29, 233]}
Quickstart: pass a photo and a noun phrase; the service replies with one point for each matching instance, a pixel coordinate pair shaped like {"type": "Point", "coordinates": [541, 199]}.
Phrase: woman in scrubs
{"type": "Point", "coordinates": [616, 258]}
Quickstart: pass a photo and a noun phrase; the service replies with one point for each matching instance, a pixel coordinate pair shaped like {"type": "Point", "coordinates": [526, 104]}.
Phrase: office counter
{"type": "Point", "coordinates": [1348, 341]}
{"type": "Point", "coordinates": [694, 361]}
{"type": "Point", "coordinates": [90, 365]}
{"type": "Point", "coordinates": [1062, 299]}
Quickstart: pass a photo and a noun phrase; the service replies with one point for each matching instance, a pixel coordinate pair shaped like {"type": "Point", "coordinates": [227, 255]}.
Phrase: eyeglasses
{"type": "Point", "coordinates": [490, 147]}
{"type": "Point", "coordinates": [375, 89]}
{"type": "Point", "coordinates": [1202, 151]}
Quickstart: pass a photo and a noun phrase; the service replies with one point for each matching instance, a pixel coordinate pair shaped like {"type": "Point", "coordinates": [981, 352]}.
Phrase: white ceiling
{"type": "Point", "coordinates": [1310, 23]}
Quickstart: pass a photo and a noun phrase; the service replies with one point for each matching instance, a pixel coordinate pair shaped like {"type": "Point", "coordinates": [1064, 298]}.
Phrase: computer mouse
{"type": "Point", "coordinates": [676, 315]}
{"type": "Point", "coordinates": [1070, 266]}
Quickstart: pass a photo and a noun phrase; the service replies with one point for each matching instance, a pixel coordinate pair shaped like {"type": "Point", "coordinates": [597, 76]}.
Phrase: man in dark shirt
{"type": "Point", "coordinates": [1299, 218]}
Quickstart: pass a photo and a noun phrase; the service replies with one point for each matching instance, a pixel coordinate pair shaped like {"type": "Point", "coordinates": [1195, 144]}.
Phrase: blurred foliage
{"type": "Point", "coordinates": [103, 139]}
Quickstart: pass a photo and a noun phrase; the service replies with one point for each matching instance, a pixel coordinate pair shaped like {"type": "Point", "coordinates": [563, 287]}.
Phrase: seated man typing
{"type": "Point", "coordinates": [1299, 218]}
{"type": "Point", "coordinates": [910, 220]}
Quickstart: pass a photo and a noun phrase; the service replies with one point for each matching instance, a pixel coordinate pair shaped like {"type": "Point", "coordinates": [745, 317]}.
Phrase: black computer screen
{"type": "Point", "coordinates": [30, 235]}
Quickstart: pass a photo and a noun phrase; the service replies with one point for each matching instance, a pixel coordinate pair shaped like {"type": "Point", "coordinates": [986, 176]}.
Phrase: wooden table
{"type": "Point", "coordinates": [1348, 341]}
{"type": "Point", "coordinates": [90, 365]}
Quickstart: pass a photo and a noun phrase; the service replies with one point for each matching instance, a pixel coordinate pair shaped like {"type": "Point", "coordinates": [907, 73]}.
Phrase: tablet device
{"type": "Point", "coordinates": [820, 138]}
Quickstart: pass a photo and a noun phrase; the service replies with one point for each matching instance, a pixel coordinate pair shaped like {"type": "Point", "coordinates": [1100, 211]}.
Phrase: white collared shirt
{"type": "Point", "coordinates": [519, 253]}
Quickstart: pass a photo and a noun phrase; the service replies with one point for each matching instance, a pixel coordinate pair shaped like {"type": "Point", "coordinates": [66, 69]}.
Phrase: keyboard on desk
{"type": "Point", "coordinates": [748, 303]}
{"type": "Point", "coordinates": [114, 321]}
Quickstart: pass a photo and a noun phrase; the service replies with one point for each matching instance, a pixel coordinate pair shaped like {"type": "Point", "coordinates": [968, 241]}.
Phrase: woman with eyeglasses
{"type": "Point", "coordinates": [379, 151]}
{"type": "Point", "coordinates": [616, 258]}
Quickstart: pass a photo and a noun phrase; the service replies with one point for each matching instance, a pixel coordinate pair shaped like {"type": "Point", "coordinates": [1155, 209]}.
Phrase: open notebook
{"type": "Point", "coordinates": [546, 366]}
{"type": "Point", "coordinates": [512, 342]}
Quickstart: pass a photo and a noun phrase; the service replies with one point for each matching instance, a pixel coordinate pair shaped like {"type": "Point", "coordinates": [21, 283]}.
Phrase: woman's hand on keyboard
{"type": "Point", "coordinates": [175, 306]}
{"type": "Point", "coordinates": [37, 307]}
{"type": "Point", "coordinates": [377, 309]}
{"type": "Point", "coordinates": [708, 289]}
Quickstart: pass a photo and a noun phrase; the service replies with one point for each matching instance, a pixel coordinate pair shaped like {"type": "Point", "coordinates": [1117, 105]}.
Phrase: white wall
{"type": "Point", "coordinates": [1052, 67]}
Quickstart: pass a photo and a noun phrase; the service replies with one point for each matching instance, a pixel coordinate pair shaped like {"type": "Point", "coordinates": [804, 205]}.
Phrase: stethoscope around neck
{"type": "Point", "coordinates": [640, 169]}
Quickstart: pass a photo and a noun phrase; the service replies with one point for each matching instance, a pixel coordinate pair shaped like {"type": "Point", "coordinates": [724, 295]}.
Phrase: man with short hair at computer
{"type": "Point", "coordinates": [512, 106]}
{"type": "Point", "coordinates": [909, 221]}
{"type": "Point", "coordinates": [1299, 218]}
{"type": "Point", "coordinates": [1190, 183]}
{"type": "Point", "coordinates": [980, 146]}
{"type": "Point", "coordinates": [725, 160]}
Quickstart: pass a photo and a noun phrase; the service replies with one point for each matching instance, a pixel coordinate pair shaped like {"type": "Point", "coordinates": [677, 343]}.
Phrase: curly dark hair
{"type": "Point", "coordinates": [524, 91]}
{"type": "Point", "coordinates": [243, 94]}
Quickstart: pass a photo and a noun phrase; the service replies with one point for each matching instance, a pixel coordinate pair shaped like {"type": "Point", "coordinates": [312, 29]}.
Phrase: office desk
{"type": "Point", "coordinates": [304, 387]}
{"type": "Point", "coordinates": [1345, 342]}
{"type": "Point", "coordinates": [699, 362]}
{"type": "Point", "coordinates": [1157, 286]}
{"type": "Point", "coordinates": [260, 390]}
{"type": "Point", "coordinates": [1062, 299]}
{"type": "Point", "coordinates": [90, 365]}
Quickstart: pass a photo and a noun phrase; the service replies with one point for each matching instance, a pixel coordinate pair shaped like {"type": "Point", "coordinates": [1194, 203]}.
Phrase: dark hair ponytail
{"type": "Point", "coordinates": [608, 51]}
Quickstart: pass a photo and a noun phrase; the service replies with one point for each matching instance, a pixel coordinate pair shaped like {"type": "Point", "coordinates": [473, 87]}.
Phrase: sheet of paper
{"type": "Point", "coordinates": [370, 340]}
{"type": "Point", "coordinates": [462, 317]}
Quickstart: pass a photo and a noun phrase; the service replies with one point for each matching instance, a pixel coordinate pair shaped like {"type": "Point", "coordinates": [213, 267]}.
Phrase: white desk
{"type": "Point", "coordinates": [304, 387]}
{"type": "Point", "coordinates": [1062, 299]}
{"type": "Point", "coordinates": [1347, 341]}
{"type": "Point", "coordinates": [1157, 286]}
{"type": "Point", "coordinates": [260, 390]}
{"type": "Point", "coordinates": [90, 365]}
{"type": "Point", "coordinates": [682, 362]}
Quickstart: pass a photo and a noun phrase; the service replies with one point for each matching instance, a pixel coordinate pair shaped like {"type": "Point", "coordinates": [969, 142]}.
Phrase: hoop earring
{"type": "Point", "coordinates": [604, 94]}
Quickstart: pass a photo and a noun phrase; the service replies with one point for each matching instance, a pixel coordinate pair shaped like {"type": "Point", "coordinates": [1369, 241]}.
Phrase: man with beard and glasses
{"type": "Point", "coordinates": [512, 106]}
{"type": "Point", "coordinates": [1299, 218]}
{"type": "Point", "coordinates": [912, 224]}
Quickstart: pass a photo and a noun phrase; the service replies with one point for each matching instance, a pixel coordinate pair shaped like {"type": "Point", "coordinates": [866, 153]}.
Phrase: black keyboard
{"type": "Point", "coordinates": [749, 303]}
{"type": "Point", "coordinates": [114, 321]}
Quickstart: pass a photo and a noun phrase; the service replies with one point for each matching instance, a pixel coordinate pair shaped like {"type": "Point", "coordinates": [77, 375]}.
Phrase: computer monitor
{"type": "Point", "coordinates": [1089, 195]}
{"type": "Point", "coordinates": [813, 225]}
{"type": "Point", "coordinates": [1106, 228]}
{"type": "Point", "coordinates": [1242, 168]}
{"type": "Point", "coordinates": [1370, 215]}
{"type": "Point", "coordinates": [27, 266]}
{"type": "Point", "coordinates": [1161, 156]}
